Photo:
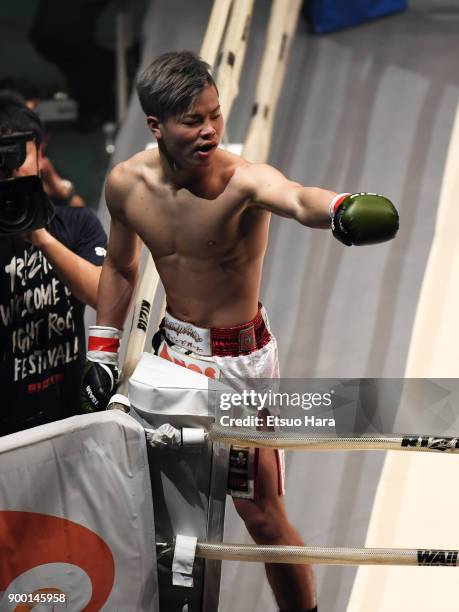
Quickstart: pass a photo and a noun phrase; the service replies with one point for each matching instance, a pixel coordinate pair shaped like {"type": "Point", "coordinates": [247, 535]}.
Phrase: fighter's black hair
{"type": "Point", "coordinates": [171, 83]}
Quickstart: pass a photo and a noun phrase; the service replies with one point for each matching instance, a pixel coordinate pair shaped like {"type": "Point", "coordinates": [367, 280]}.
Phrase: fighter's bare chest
{"type": "Point", "coordinates": [182, 223]}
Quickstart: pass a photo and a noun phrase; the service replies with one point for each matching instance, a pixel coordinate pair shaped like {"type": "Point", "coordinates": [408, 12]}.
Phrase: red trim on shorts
{"type": "Point", "coordinates": [240, 339]}
{"type": "Point", "coordinates": [109, 345]}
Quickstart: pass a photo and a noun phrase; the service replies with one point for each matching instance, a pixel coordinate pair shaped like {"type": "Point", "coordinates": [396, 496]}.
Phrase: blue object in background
{"type": "Point", "coordinates": [329, 15]}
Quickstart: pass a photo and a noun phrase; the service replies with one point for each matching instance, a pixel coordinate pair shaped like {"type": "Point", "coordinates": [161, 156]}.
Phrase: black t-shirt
{"type": "Point", "coordinates": [42, 335]}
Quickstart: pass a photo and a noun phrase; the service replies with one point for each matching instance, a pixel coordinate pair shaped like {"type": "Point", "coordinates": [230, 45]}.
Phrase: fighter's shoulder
{"type": "Point", "coordinates": [123, 174]}
{"type": "Point", "coordinates": [127, 175]}
{"type": "Point", "coordinates": [250, 176]}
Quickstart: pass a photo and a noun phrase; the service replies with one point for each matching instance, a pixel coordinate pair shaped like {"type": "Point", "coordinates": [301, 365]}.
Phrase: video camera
{"type": "Point", "coordinates": [24, 204]}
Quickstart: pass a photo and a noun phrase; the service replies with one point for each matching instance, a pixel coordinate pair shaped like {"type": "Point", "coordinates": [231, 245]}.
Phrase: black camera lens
{"type": "Point", "coordinates": [12, 213]}
{"type": "Point", "coordinates": [23, 205]}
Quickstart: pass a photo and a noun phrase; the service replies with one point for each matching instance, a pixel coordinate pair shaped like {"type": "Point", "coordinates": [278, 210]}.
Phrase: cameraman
{"type": "Point", "coordinates": [49, 270]}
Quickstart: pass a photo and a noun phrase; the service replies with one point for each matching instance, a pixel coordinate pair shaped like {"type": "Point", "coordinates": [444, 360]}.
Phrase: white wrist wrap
{"type": "Point", "coordinates": [104, 344]}
{"type": "Point", "coordinates": [336, 200]}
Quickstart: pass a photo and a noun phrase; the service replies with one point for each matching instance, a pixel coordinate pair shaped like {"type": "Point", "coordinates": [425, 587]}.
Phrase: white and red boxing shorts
{"type": "Point", "coordinates": [237, 353]}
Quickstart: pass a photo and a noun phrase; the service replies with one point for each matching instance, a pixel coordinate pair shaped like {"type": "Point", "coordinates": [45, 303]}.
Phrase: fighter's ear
{"type": "Point", "coordinates": [155, 126]}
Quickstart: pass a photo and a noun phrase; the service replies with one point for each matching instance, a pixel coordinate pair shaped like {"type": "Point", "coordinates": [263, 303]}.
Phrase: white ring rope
{"type": "Point", "coordinates": [327, 556]}
{"type": "Point", "coordinates": [289, 441]}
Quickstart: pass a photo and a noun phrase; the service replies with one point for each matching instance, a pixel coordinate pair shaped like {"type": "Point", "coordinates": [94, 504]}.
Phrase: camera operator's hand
{"type": "Point", "coordinates": [38, 237]}
{"type": "Point", "coordinates": [79, 275]}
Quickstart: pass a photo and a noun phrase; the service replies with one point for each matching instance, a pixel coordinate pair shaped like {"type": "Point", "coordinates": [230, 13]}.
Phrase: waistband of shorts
{"type": "Point", "coordinates": [218, 341]}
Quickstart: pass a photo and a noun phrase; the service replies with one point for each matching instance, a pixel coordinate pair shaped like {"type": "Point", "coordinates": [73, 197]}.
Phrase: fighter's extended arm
{"type": "Point", "coordinates": [274, 192]}
{"type": "Point", "coordinates": [116, 287]}
{"type": "Point", "coordinates": [359, 219]}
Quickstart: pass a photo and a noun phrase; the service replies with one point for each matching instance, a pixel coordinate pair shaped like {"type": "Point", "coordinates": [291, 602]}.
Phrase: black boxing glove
{"type": "Point", "coordinates": [100, 374]}
{"type": "Point", "coordinates": [363, 218]}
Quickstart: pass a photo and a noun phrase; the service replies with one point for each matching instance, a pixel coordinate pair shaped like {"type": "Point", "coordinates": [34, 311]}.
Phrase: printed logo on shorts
{"type": "Point", "coordinates": [207, 368]}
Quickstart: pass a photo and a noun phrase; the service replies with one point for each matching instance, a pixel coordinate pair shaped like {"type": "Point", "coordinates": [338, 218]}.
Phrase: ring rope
{"type": "Point", "coordinates": [327, 556]}
{"type": "Point", "coordinates": [290, 441]}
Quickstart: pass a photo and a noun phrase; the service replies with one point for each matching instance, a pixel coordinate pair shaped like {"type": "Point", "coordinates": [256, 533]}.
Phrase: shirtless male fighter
{"type": "Point", "coordinates": [204, 215]}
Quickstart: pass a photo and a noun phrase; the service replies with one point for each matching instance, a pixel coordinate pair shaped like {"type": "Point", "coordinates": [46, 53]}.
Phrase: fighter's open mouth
{"type": "Point", "coordinates": [207, 147]}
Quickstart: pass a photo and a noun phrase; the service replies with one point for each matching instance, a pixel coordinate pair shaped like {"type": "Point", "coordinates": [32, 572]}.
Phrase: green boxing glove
{"type": "Point", "coordinates": [363, 218]}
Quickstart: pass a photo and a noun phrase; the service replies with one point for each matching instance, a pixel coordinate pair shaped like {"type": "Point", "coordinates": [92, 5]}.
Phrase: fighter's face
{"type": "Point", "coordinates": [192, 138]}
{"type": "Point", "coordinates": [30, 165]}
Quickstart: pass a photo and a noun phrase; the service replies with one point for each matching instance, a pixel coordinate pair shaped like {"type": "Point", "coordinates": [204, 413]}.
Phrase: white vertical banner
{"type": "Point", "coordinates": [76, 517]}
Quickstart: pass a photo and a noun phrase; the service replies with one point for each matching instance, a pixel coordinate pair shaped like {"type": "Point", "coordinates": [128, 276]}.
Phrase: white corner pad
{"type": "Point", "coordinates": [121, 400]}
{"type": "Point", "coordinates": [182, 564]}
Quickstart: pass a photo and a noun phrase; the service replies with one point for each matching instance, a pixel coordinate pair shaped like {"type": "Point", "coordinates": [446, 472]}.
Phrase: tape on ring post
{"type": "Point", "coordinates": [183, 561]}
{"type": "Point", "coordinates": [119, 402]}
{"type": "Point", "coordinates": [193, 436]}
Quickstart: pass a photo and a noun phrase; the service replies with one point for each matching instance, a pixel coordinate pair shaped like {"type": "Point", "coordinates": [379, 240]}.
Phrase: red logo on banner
{"type": "Point", "coordinates": [29, 539]}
